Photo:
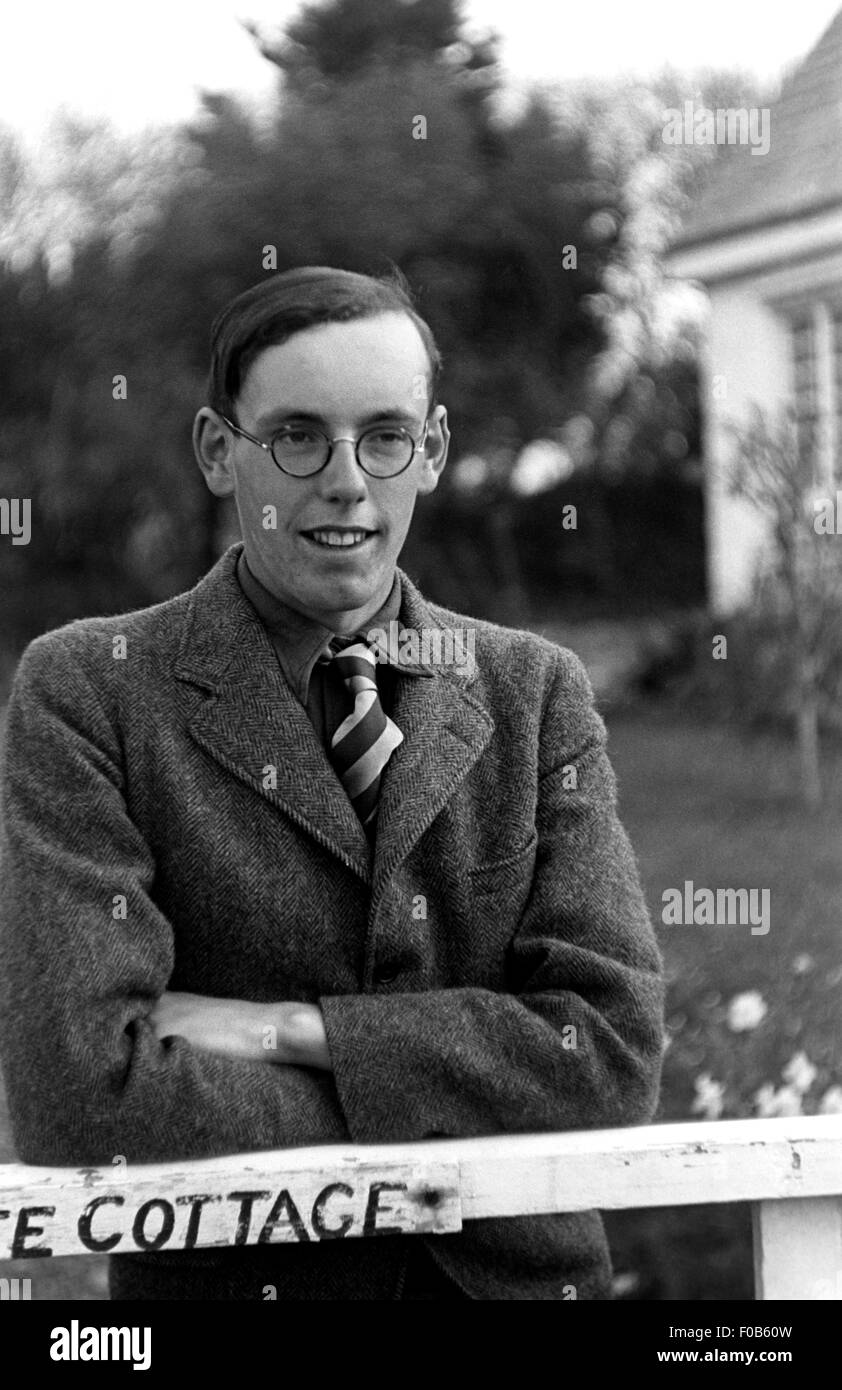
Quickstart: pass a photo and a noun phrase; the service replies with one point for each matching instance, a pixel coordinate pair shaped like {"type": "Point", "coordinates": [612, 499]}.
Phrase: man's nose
{"type": "Point", "coordinates": [342, 473]}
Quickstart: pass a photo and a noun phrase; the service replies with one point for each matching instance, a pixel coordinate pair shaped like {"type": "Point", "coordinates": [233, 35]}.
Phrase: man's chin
{"type": "Point", "coordinates": [327, 584]}
{"type": "Point", "coordinates": [348, 592]}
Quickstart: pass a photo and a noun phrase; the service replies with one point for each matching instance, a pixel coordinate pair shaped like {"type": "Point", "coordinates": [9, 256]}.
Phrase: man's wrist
{"type": "Point", "coordinates": [291, 1032]}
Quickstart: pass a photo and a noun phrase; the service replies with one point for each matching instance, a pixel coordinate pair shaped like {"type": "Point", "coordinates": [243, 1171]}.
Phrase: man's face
{"type": "Point", "coordinates": [343, 377]}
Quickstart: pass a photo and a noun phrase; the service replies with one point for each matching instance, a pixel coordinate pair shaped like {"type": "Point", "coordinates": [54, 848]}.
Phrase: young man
{"type": "Point", "coordinates": [241, 810]}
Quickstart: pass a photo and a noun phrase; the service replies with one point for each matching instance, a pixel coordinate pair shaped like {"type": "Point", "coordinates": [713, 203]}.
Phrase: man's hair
{"type": "Point", "coordinates": [276, 308]}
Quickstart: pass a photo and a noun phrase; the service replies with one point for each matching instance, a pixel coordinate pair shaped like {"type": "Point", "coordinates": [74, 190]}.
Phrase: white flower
{"type": "Point", "coordinates": [786, 1101]}
{"type": "Point", "coordinates": [709, 1097]}
{"type": "Point", "coordinates": [831, 1101]}
{"type": "Point", "coordinates": [745, 1011]}
{"type": "Point", "coordinates": [803, 963]}
{"type": "Point", "coordinates": [800, 1072]}
{"type": "Point", "coordinates": [764, 1099]}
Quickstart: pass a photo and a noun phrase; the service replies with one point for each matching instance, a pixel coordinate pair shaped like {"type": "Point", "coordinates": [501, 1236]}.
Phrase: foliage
{"type": "Point", "coordinates": [798, 585]}
{"type": "Point", "coordinates": [119, 252]}
{"type": "Point", "coordinates": [339, 40]}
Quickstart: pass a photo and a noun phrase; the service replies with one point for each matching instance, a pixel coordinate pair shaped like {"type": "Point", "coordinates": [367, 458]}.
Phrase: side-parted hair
{"type": "Point", "coordinates": [281, 305]}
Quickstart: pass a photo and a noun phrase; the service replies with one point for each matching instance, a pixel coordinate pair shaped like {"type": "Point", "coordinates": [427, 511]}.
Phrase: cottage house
{"type": "Point", "coordinates": [764, 240]}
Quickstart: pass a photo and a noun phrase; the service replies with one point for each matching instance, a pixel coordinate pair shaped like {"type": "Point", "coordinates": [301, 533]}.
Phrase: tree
{"type": "Point", "coordinates": [799, 584]}
{"type": "Point", "coordinates": [338, 40]}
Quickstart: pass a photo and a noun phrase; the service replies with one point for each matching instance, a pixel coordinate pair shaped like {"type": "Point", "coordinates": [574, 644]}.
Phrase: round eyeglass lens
{"type": "Point", "coordinates": [381, 451]}
{"type": "Point", "coordinates": [385, 451]}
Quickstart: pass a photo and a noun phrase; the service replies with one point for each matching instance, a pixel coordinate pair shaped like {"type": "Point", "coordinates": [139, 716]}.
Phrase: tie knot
{"type": "Point", "coordinates": [351, 657]}
{"type": "Point", "coordinates": [335, 647]}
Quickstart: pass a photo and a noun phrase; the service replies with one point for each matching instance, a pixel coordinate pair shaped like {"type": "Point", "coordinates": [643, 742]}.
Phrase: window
{"type": "Point", "coordinates": [803, 347]}
{"type": "Point", "coordinates": [816, 351]}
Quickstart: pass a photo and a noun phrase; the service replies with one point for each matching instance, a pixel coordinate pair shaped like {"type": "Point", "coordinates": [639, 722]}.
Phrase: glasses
{"type": "Point", "coordinates": [301, 451]}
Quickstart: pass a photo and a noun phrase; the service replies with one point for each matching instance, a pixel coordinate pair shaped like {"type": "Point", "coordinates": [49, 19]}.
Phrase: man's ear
{"type": "Point", "coordinates": [213, 445]}
{"type": "Point", "coordinates": [436, 446]}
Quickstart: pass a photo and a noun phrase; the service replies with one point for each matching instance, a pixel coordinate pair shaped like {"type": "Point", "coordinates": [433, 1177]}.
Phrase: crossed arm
{"type": "Point", "coordinates": [291, 1033]}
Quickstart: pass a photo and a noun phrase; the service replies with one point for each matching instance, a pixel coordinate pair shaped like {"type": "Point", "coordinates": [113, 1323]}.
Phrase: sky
{"type": "Point", "coordinates": [144, 63]}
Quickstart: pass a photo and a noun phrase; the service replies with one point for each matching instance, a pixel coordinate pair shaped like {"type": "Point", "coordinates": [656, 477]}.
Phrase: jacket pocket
{"type": "Point", "coordinates": [489, 872]}
{"type": "Point", "coordinates": [499, 892]}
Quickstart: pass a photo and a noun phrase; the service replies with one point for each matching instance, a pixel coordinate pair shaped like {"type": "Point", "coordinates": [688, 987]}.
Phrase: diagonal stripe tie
{"type": "Point", "coordinates": [367, 738]}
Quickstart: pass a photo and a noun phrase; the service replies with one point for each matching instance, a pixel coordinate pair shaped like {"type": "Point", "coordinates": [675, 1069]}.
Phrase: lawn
{"type": "Point", "coordinates": [704, 804]}
{"type": "Point", "coordinates": [722, 810]}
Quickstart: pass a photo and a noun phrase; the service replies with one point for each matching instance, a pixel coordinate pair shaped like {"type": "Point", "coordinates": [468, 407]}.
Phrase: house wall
{"type": "Point", "coordinates": [747, 362]}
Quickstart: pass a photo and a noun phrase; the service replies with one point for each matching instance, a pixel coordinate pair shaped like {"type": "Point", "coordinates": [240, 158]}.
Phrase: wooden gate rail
{"type": "Point", "coordinates": [789, 1169]}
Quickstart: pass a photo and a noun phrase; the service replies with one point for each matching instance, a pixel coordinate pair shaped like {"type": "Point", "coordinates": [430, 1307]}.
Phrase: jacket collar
{"type": "Point", "coordinates": [256, 728]}
{"type": "Point", "coordinates": [299, 641]}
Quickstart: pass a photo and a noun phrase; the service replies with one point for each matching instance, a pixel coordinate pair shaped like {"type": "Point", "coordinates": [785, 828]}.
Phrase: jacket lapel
{"type": "Point", "coordinates": [253, 721]}
{"type": "Point", "coordinates": [445, 730]}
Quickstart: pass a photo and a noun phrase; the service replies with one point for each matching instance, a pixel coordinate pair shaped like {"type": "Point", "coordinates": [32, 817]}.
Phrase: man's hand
{"type": "Point", "coordinates": [291, 1032]}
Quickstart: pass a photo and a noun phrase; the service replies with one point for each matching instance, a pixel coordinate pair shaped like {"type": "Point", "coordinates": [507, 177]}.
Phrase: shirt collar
{"type": "Point", "coordinates": [301, 640]}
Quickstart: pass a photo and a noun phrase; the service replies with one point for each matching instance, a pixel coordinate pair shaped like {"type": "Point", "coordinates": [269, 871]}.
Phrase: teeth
{"type": "Point", "coordinates": [343, 538]}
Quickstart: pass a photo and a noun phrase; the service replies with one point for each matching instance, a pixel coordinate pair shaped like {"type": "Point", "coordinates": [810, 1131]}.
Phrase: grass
{"type": "Point", "coordinates": [706, 804]}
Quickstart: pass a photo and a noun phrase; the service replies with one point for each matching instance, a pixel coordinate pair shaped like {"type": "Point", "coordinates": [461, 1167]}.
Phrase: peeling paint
{"type": "Point", "coordinates": [91, 1176]}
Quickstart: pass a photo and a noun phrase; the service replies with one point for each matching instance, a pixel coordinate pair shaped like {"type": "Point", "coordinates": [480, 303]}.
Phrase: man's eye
{"type": "Point", "coordinates": [386, 436]}
{"type": "Point", "coordinates": [296, 437]}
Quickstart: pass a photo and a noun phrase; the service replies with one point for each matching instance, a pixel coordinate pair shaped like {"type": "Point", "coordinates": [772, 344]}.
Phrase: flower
{"type": "Point", "coordinates": [800, 1072]}
{"type": "Point", "coordinates": [709, 1097]}
{"type": "Point", "coordinates": [831, 1101]}
{"type": "Point", "coordinates": [803, 963]}
{"type": "Point", "coordinates": [764, 1099]}
{"type": "Point", "coordinates": [745, 1011]}
{"type": "Point", "coordinates": [626, 1282]}
{"type": "Point", "coordinates": [786, 1101]}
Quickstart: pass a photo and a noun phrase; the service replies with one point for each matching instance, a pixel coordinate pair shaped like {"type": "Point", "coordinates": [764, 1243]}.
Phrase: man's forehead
{"type": "Point", "coordinates": [368, 363]}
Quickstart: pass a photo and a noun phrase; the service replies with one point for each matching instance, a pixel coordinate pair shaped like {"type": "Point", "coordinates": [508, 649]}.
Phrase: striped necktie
{"type": "Point", "coordinates": [367, 738]}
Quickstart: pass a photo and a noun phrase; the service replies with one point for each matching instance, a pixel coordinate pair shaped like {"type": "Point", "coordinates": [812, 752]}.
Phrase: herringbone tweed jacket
{"type": "Point", "coordinates": [144, 775]}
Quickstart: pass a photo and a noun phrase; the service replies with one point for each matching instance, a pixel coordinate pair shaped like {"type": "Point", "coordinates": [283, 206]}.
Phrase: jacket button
{"type": "Point", "coordinates": [385, 974]}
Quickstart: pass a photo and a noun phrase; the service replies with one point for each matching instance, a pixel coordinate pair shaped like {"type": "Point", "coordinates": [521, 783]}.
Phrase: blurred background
{"type": "Point", "coordinates": [641, 326]}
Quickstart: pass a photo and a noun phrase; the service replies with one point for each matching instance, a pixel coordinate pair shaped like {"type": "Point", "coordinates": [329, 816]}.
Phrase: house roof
{"type": "Point", "coordinates": [802, 171]}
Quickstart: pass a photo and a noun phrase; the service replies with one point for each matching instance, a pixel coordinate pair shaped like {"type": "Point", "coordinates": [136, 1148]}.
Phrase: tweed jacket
{"type": "Point", "coordinates": [500, 905]}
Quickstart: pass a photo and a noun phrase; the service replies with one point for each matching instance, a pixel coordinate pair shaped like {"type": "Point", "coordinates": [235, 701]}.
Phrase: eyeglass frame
{"type": "Point", "coordinates": [339, 439]}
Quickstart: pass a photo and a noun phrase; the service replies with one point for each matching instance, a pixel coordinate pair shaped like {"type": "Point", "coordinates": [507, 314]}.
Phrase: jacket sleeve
{"type": "Point", "coordinates": [87, 1078]}
{"type": "Point", "coordinates": [577, 1040]}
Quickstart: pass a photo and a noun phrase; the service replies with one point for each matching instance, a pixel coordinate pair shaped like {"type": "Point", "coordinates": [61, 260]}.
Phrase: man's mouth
{"type": "Point", "coordinates": [339, 537]}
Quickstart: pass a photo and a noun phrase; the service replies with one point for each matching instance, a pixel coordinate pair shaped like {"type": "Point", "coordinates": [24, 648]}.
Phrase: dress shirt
{"type": "Point", "coordinates": [298, 642]}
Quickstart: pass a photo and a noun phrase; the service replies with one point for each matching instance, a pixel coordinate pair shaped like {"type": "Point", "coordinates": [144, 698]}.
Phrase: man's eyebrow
{"type": "Point", "coordinates": [276, 416]}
